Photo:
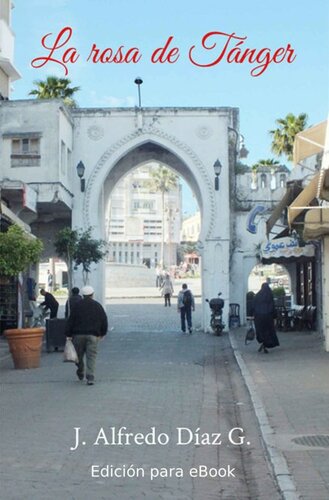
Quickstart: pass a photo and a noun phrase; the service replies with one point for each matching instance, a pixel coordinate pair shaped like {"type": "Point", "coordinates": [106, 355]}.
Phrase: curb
{"type": "Point", "coordinates": [283, 477]}
{"type": "Point", "coordinates": [142, 297]}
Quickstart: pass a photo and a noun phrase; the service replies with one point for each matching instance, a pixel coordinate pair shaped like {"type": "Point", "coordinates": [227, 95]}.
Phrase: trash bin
{"type": "Point", "coordinates": [55, 334]}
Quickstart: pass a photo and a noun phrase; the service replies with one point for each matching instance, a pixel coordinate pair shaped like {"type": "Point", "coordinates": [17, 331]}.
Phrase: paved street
{"type": "Point", "coordinates": [148, 376]}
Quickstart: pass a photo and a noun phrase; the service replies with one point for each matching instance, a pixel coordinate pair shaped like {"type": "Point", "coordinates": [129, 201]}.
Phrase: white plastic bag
{"type": "Point", "coordinates": [70, 354]}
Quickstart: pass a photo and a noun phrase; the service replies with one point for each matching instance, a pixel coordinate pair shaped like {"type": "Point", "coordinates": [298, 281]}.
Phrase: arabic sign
{"type": "Point", "coordinates": [285, 247]}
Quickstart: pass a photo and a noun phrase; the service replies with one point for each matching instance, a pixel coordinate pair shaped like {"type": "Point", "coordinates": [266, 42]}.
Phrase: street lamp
{"type": "Point", "coordinates": [240, 149]}
{"type": "Point", "coordinates": [217, 169]}
{"type": "Point", "coordinates": [80, 171]}
{"type": "Point", "coordinates": [139, 82]}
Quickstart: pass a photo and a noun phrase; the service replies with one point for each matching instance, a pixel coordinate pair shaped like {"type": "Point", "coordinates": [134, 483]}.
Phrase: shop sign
{"type": "Point", "coordinates": [286, 248]}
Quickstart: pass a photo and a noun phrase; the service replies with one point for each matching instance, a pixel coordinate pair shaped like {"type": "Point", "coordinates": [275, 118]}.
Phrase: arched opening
{"type": "Point", "coordinates": [144, 230]}
{"type": "Point", "coordinates": [112, 168]}
{"type": "Point", "coordinates": [275, 274]}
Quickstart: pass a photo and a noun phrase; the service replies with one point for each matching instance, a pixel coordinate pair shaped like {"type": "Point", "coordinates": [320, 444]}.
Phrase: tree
{"type": "Point", "coordinates": [77, 247]}
{"type": "Point", "coordinates": [162, 181]}
{"type": "Point", "coordinates": [270, 163]}
{"type": "Point", "coordinates": [55, 88]}
{"type": "Point", "coordinates": [283, 137]}
{"type": "Point", "coordinates": [65, 245]}
{"type": "Point", "coordinates": [88, 251]}
{"type": "Point", "coordinates": [18, 250]}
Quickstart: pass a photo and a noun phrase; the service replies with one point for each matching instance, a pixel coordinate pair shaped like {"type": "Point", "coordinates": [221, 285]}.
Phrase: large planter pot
{"type": "Point", "coordinates": [25, 346]}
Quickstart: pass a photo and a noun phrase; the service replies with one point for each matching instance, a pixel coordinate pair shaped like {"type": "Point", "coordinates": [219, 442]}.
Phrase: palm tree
{"type": "Point", "coordinates": [162, 181]}
{"type": "Point", "coordinates": [283, 137]}
{"type": "Point", "coordinates": [55, 88]}
{"type": "Point", "coordinates": [268, 163]}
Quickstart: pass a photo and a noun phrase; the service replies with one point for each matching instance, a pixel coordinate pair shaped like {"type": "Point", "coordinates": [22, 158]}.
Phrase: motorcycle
{"type": "Point", "coordinates": [216, 320]}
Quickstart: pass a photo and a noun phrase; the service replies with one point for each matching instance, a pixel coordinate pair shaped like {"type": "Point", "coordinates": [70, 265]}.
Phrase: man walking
{"type": "Point", "coordinates": [49, 303]}
{"type": "Point", "coordinates": [185, 305]}
{"type": "Point", "coordinates": [72, 300]}
{"type": "Point", "coordinates": [86, 325]}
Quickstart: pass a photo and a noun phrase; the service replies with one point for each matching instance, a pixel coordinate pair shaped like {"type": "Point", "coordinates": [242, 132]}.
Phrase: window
{"type": "Point", "coordinates": [143, 205]}
{"type": "Point", "coordinates": [282, 180]}
{"type": "Point", "coordinates": [263, 181]}
{"type": "Point", "coordinates": [25, 151]}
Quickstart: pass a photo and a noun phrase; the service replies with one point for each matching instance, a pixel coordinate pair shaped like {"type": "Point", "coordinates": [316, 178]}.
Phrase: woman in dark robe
{"type": "Point", "coordinates": [264, 312]}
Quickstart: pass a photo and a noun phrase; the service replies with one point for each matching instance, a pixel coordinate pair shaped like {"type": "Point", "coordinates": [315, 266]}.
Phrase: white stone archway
{"type": "Point", "coordinates": [190, 151]}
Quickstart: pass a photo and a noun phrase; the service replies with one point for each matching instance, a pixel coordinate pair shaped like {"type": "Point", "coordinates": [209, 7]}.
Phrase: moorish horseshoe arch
{"type": "Point", "coordinates": [144, 134]}
{"type": "Point", "coordinates": [118, 158]}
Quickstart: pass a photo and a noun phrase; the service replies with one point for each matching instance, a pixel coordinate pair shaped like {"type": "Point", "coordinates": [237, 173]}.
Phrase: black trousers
{"type": "Point", "coordinates": [186, 315]}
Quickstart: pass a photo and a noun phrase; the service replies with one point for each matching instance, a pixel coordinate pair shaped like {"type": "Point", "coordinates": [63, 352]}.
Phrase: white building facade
{"type": "Point", "coordinates": [43, 141]}
{"type": "Point", "coordinates": [137, 222]}
{"type": "Point", "coordinates": [8, 72]}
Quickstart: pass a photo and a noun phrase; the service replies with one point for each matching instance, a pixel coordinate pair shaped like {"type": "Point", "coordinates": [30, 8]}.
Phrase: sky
{"type": "Point", "coordinates": [297, 84]}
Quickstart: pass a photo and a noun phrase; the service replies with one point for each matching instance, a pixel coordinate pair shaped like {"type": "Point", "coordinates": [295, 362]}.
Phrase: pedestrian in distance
{"type": "Point", "coordinates": [49, 303]}
{"type": "Point", "coordinates": [49, 281]}
{"type": "Point", "coordinates": [158, 272]}
{"type": "Point", "coordinates": [185, 306]}
{"type": "Point", "coordinates": [74, 298]}
{"type": "Point", "coordinates": [264, 313]}
{"type": "Point", "coordinates": [86, 326]}
{"type": "Point", "coordinates": [167, 289]}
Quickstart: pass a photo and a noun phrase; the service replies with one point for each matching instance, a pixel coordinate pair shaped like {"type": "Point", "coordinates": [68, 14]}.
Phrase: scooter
{"type": "Point", "coordinates": [216, 320]}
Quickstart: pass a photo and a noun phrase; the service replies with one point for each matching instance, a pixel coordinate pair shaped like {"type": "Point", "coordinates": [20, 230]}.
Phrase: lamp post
{"type": "Point", "coordinates": [80, 171]}
{"type": "Point", "coordinates": [217, 169]}
{"type": "Point", "coordinates": [139, 82]}
{"type": "Point", "coordinates": [240, 149]}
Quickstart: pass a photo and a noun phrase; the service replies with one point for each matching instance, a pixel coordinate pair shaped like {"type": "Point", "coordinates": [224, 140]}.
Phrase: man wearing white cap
{"type": "Point", "coordinates": [86, 325]}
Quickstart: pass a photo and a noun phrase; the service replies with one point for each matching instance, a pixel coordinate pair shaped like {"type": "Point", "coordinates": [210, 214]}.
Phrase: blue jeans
{"type": "Point", "coordinates": [186, 314]}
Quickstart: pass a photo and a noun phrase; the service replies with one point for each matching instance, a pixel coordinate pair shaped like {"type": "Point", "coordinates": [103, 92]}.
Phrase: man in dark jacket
{"type": "Point", "coordinates": [49, 303]}
{"type": "Point", "coordinates": [185, 306]}
{"type": "Point", "coordinates": [86, 325]}
{"type": "Point", "coordinates": [72, 300]}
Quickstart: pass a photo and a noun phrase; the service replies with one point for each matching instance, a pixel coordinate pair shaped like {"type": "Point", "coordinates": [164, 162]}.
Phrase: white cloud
{"type": "Point", "coordinates": [112, 101]}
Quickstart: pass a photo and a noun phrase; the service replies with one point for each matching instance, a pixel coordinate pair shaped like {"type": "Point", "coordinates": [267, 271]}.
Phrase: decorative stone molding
{"type": "Point", "coordinates": [95, 133]}
{"type": "Point", "coordinates": [149, 130]}
{"type": "Point", "coordinates": [204, 132]}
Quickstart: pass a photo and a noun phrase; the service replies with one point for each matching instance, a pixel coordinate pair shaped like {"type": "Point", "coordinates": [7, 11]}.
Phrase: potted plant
{"type": "Point", "coordinates": [17, 251]}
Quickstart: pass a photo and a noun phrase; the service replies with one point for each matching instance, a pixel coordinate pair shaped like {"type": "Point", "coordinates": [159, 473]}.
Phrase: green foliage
{"type": "Point", "coordinates": [279, 291]}
{"type": "Point", "coordinates": [55, 88]}
{"type": "Point", "coordinates": [241, 168]}
{"type": "Point", "coordinates": [269, 163]}
{"type": "Point", "coordinates": [77, 248]}
{"type": "Point", "coordinates": [283, 137]}
{"type": "Point", "coordinates": [162, 181]}
{"type": "Point", "coordinates": [66, 243]}
{"type": "Point", "coordinates": [17, 251]}
{"type": "Point", "coordinates": [88, 251]}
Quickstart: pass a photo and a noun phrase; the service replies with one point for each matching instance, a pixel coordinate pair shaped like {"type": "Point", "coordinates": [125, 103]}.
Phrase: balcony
{"type": "Point", "coordinates": [7, 41]}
